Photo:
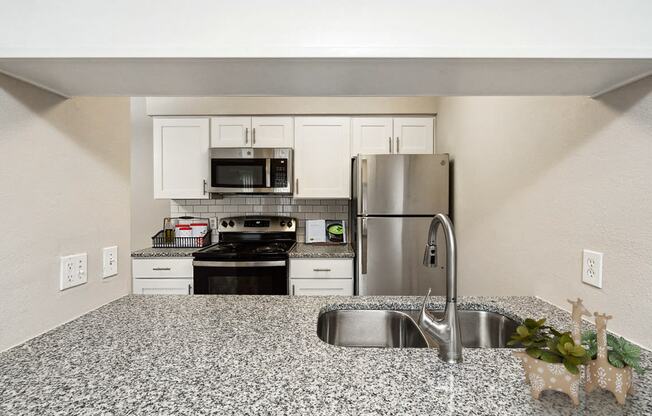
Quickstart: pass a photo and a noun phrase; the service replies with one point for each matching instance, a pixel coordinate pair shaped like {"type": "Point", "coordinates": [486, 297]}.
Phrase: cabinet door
{"type": "Point", "coordinates": [181, 165]}
{"type": "Point", "coordinates": [230, 131]}
{"type": "Point", "coordinates": [322, 148]}
{"type": "Point", "coordinates": [414, 135]}
{"type": "Point", "coordinates": [372, 136]}
{"type": "Point", "coordinates": [321, 287]}
{"type": "Point", "coordinates": [163, 287]}
{"type": "Point", "coordinates": [271, 132]}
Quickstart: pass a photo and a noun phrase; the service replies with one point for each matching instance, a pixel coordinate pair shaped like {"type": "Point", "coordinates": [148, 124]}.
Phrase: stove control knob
{"type": "Point", "coordinates": [231, 223]}
{"type": "Point", "coordinates": [289, 224]}
{"type": "Point", "coordinates": [224, 224]}
{"type": "Point", "coordinates": [282, 223]}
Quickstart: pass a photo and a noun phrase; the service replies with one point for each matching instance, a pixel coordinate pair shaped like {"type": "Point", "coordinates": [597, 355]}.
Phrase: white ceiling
{"type": "Point", "coordinates": [325, 76]}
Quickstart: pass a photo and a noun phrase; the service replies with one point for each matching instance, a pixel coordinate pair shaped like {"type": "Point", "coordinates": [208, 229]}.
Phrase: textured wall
{"type": "Point", "coordinates": [536, 180]}
{"type": "Point", "coordinates": [64, 189]}
{"type": "Point", "coordinates": [146, 212]}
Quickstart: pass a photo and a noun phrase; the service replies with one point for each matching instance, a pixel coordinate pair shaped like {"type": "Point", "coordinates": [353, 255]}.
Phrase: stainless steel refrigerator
{"type": "Point", "coordinates": [394, 198]}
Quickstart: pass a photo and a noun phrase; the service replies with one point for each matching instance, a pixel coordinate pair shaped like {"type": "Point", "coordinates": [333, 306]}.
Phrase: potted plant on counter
{"type": "Point", "coordinates": [551, 358]}
{"type": "Point", "coordinates": [612, 360]}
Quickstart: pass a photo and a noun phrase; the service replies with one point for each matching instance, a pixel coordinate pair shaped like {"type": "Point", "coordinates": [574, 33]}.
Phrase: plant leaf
{"type": "Point", "coordinates": [616, 359]}
{"type": "Point", "coordinates": [534, 352]}
{"type": "Point", "coordinates": [522, 331]}
{"type": "Point", "coordinates": [572, 368]}
{"type": "Point", "coordinates": [550, 357]}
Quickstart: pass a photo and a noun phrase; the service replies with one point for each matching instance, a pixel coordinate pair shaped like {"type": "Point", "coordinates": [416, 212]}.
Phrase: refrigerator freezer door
{"type": "Point", "coordinates": [401, 184]}
{"type": "Point", "coordinates": [390, 257]}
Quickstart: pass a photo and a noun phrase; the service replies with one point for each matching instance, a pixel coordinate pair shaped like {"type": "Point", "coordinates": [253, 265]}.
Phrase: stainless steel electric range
{"type": "Point", "coordinates": [250, 258]}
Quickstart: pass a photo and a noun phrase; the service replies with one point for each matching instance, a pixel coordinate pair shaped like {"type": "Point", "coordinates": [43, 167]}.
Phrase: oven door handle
{"type": "Point", "coordinates": [272, 263]}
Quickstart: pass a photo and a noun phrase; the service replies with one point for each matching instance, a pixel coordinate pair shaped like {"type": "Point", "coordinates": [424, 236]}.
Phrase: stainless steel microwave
{"type": "Point", "coordinates": [251, 171]}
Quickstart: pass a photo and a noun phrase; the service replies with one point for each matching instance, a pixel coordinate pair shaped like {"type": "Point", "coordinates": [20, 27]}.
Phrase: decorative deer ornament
{"type": "Point", "coordinates": [578, 311]}
{"type": "Point", "coordinates": [599, 373]}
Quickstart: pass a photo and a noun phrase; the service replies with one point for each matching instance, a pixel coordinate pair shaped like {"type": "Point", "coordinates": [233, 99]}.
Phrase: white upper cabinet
{"type": "Point", "coordinates": [230, 131]}
{"type": "Point", "coordinates": [322, 162]}
{"type": "Point", "coordinates": [272, 132]}
{"type": "Point", "coordinates": [372, 136]}
{"type": "Point", "coordinates": [181, 166]}
{"type": "Point", "coordinates": [269, 132]}
{"type": "Point", "coordinates": [398, 135]}
{"type": "Point", "coordinates": [414, 135]}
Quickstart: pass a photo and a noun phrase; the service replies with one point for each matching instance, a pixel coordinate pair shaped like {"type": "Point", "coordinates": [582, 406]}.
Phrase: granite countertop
{"type": "Point", "coordinates": [250, 355]}
{"type": "Point", "coordinates": [164, 252]}
{"type": "Point", "coordinates": [303, 250]}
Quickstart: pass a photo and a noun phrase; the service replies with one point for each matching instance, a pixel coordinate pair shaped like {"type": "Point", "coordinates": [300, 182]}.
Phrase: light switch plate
{"type": "Point", "coordinates": [592, 268]}
{"type": "Point", "coordinates": [73, 270]}
{"type": "Point", "coordinates": [109, 261]}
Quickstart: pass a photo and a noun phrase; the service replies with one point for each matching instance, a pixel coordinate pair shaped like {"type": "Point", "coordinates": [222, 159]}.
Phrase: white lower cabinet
{"type": "Point", "coordinates": [321, 287]}
{"type": "Point", "coordinates": [162, 276]}
{"type": "Point", "coordinates": [321, 277]}
{"type": "Point", "coordinates": [163, 286]}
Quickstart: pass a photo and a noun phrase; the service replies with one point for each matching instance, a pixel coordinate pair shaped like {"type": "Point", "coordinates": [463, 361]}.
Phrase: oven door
{"type": "Point", "coordinates": [240, 277]}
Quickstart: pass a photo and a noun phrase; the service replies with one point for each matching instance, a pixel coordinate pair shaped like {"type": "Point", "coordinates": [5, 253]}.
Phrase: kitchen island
{"type": "Point", "coordinates": [200, 355]}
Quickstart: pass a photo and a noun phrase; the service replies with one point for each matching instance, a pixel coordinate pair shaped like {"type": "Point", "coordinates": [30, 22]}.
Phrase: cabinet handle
{"type": "Point", "coordinates": [253, 135]}
{"type": "Point", "coordinates": [292, 290]}
{"type": "Point", "coordinates": [296, 185]}
{"type": "Point", "coordinates": [158, 269]}
{"type": "Point", "coordinates": [390, 145]}
{"type": "Point", "coordinates": [321, 270]}
{"type": "Point", "coordinates": [204, 186]}
{"type": "Point", "coordinates": [189, 289]}
{"type": "Point", "coordinates": [398, 142]}
{"type": "Point", "coordinates": [363, 243]}
{"type": "Point", "coordinates": [246, 135]}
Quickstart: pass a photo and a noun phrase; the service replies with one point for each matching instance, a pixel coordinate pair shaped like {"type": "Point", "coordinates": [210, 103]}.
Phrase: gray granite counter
{"type": "Point", "coordinates": [164, 252]}
{"type": "Point", "coordinates": [251, 355]}
{"type": "Point", "coordinates": [302, 250]}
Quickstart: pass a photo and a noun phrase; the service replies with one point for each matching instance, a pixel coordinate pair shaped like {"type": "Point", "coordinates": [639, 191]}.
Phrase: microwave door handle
{"type": "Point", "coordinates": [268, 175]}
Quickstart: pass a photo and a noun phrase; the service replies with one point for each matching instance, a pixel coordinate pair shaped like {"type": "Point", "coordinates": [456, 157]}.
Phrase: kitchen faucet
{"type": "Point", "coordinates": [445, 331]}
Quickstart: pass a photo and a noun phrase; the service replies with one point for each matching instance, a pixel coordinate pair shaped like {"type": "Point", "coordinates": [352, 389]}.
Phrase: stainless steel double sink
{"type": "Point", "coordinates": [398, 329]}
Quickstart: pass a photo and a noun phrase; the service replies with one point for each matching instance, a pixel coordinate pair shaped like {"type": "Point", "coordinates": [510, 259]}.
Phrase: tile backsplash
{"type": "Point", "coordinates": [301, 209]}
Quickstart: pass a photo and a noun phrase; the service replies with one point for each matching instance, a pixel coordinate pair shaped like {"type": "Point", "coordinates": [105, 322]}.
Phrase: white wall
{"type": "Point", "coordinates": [64, 189]}
{"type": "Point", "coordinates": [536, 180]}
{"type": "Point", "coordinates": [147, 213]}
{"type": "Point", "coordinates": [336, 28]}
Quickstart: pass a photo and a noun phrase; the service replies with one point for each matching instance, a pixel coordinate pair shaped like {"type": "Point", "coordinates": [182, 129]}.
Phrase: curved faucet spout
{"type": "Point", "coordinates": [446, 330]}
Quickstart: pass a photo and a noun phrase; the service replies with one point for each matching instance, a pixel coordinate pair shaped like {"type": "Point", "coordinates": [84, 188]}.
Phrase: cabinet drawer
{"type": "Point", "coordinates": [162, 268]}
{"type": "Point", "coordinates": [321, 268]}
{"type": "Point", "coordinates": [321, 287]}
{"type": "Point", "coordinates": [162, 286]}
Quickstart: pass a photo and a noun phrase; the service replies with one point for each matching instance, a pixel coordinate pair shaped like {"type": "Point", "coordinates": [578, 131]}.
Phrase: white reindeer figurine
{"type": "Point", "coordinates": [599, 373]}
{"type": "Point", "coordinates": [578, 311]}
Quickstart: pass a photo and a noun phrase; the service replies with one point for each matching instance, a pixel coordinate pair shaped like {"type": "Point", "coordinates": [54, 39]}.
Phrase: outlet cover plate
{"type": "Point", "coordinates": [592, 268]}
{"type": "Point", "coordinates": [73, 271]}
{"type": "Point", "coordinates": [109, 261]}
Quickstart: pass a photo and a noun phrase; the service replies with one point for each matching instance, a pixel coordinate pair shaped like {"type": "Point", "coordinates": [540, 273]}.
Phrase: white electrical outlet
{"type": "Point", "coordinates": [109, 261]}
{"type": "Point", "coordinates": [73, 271]}
{"type": "Point", "coordinates": [592, 268]}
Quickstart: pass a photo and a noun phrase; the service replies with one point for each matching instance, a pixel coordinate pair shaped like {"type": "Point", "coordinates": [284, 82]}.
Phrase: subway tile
{"type": "Point", "coordinates": [335, 208]}
{"type": "Point", "coordinates": [206, 202]}
{"type": "Point", "coordinates": [253, 201]}
{"type": "Point", "coordinates": [243, 208]}
{"type": "Point", "coordinates": [200, 208]}
{"type": "Point", "coordinates": [258, 208]}
{"type": "Point", "coordinates": [216, 208]}
{"type": "Point", "coordinates": [305, 208]}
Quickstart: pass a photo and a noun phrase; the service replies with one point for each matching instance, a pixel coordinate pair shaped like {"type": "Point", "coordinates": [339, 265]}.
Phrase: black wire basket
{"type": "Point", "coordinates": [163, 240]}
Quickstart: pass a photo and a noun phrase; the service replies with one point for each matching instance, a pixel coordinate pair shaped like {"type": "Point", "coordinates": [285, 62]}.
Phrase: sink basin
{"type": "Point", "coordinates": [398, 329]}
{"type": "Point", "coordinates": [370, 328]}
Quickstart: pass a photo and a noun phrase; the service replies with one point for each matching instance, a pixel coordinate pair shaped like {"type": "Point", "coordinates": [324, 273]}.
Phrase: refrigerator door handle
{"type": "Point", "coordinates": [363, 186]}
{"type": "Point", "coordinates": [363, 248]}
